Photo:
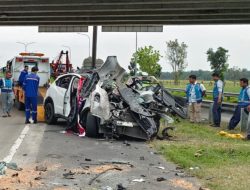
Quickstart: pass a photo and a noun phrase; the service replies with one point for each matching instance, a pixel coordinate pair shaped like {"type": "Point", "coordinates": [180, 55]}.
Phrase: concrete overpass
{"type": "Point", "coordinates": [123, 12]}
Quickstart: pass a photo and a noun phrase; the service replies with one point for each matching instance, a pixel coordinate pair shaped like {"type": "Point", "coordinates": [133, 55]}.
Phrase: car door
{"type": "Point", "coordinates": [62, 85]}
{"type": "Point", "coordinates": [70, 93]}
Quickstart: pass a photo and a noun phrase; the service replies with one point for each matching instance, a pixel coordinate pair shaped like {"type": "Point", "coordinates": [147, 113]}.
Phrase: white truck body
{"type": "Point", "coordinates": [16, 65]}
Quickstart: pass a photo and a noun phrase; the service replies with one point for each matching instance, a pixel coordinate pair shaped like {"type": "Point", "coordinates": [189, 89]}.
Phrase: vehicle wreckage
{"type": "Point", "coordinates": [100, 102]}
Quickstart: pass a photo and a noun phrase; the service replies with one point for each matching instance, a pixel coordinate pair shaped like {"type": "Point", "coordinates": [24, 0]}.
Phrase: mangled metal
{"type": "Point", "coordinates": [105, 105]}
{"type": "Point", "coordinates": [100, 103]}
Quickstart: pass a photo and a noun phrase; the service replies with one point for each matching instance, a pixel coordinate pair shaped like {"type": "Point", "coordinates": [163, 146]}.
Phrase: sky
{"type": "Point", "coordinates": [235, 38]}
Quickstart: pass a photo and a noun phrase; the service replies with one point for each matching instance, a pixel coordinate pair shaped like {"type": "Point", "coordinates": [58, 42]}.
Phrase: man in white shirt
{"type": "Point", "coordinates": [195, 92]}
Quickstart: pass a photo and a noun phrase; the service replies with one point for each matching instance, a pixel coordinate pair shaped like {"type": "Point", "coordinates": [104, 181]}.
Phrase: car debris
{"type": "Point", "coordinates": [120, 187]}
{"type": "Point", "coordinates": [139, 180]}
{"type": "Point", "coordinates": [41, 168]}
{"type": "Point", "coordinates": [98, 175]}
{"type": "Point", "coordinates": [11, 165]}
{"type": "Point", "coordinates": [160, 167]}
{"type": "Point", "coordinates": [69, 175]}
{"type": "Point", "coordinates": [160, 179]}
{"type": "Point", "coordinates": [107, 188]}
{"type": "Point", "coordinates": [101, 102]}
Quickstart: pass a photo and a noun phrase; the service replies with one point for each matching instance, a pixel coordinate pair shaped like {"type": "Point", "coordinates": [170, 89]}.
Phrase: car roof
{"type": "Point", "coordinates": [69, 74]}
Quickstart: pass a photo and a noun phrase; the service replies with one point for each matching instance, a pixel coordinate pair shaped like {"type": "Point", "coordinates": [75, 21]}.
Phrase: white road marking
{"type": "Point", "coordinates": [17, 144]}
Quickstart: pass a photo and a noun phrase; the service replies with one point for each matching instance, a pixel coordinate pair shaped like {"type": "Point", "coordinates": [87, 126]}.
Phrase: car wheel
{"type": "Point", "coordinates": [92, 126]}
{"type": "Point", "coordinates": [50, 114]}
{"type": "Point", "coordinates": [20, 106]}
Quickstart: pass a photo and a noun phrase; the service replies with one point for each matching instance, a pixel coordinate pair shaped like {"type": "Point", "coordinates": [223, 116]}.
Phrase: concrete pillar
{"type": "Point", "coordinates": [94, 46]}
{"type": "Point", "coordinates": [244, 121]}
{"type": "Point", "coordinates": [248, 125]}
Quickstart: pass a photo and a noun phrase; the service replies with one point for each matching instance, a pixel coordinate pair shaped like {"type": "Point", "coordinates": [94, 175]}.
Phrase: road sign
{"type": "Point", "coordinates": [62, 28]}
{"type": "Point", "coordinates": [133, 28]}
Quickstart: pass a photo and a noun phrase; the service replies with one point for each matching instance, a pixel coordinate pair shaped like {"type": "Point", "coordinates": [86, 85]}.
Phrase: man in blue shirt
{"type": "Point", "coordinates": [217, 99]}
{"type": "Point", "coordinates": [23, 75]}
{"type": "Point", "coordinates": [6, 86]}
{"type": "Point", "coordinates": [243, 102]}
{"type": "Point", "coordinates": [30, 86]}
{"type": "Point", "coordinates": [194, 92]}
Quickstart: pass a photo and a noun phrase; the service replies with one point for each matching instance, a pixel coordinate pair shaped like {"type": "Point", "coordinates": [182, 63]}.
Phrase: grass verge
{"type": "Point", "coordinates": [222, 163]}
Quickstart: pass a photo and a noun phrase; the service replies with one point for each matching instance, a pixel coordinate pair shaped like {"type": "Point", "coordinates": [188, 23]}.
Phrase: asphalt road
{"type": "Point", "coordinates": [51, 160]}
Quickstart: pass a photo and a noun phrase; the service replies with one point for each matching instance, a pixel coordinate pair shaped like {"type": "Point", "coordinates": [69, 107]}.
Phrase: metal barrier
{"type": "Point", "coordinates": [225, 94]}
{"type": "Point", "coordinates": [245, 120]}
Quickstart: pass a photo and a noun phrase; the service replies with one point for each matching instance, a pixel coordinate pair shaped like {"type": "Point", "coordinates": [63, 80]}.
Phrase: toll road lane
{"type": "Point", "coordinates": [53, 160]}
{"type": "Point", "coordinates": [10, 130]}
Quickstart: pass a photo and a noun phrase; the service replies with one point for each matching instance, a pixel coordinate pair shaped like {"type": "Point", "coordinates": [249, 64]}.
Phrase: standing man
{"type": "Point", "coordinates": [6, 86]}
{"type": "Point", "coordinates": [23, 75]}
{"type": "Point", "coordinates": [195, 91]}
{"type": "Point", "coordinates": [217, 99]}
{"type": "Point", "coordinates": [30, 86]}
{"type": "Point", "coordinates": [243, 102]}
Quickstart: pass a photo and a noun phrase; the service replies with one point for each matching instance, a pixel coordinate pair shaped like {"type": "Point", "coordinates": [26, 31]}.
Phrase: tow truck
{"type": "Point", "coordinates": [58, 67]}
{"type": "Point", "coordinates": [16, 65]}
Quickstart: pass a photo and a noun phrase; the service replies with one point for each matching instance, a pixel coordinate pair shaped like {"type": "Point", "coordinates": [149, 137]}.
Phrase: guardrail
{"type": "Point", "coordinates": [226, 106]}
{"type": "Point", "coordinates": [225, 94]}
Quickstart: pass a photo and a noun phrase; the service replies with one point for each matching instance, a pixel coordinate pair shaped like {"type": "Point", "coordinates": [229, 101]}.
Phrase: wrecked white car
{"type": "Point", "coordinates": [100, 103]}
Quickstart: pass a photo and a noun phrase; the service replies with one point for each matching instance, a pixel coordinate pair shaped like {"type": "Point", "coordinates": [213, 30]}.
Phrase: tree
{"type": "Point", "coordinates": [234, 73]}
{"type": "Point", "coordinates": [176, 56]}
{"type": "Point", "coordinates": [218, 60]}
{"type": "Point", "coordinates": [147, 58]}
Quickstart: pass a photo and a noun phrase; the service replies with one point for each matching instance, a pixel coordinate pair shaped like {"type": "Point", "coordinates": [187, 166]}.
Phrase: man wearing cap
{"type": "Point", "coordinates": [30, 86]}
{"type": "Point", "coordinates": [6, 86]}
{"type": "Point", "coordinates": [217, 98]}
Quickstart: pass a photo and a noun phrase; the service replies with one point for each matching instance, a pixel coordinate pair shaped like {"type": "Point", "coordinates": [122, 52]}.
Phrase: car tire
{"type": "Point", "coordinates": [20, 106]}
{"type": "Point", "coordinates": [50, 114]}
{"type": "Point", "coordinates": [92, 126]}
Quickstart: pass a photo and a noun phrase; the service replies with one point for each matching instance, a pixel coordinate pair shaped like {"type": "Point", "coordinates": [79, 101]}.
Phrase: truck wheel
{"type": "Point", "coordinates": [50, 114]}
{"type": "Point", "coordinates": [20, 106]}
{"type": "Point", "coordinates": [92, 126]}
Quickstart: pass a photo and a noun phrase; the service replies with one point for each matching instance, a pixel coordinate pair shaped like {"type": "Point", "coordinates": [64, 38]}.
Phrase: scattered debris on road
{"type": "Point", "coordinates": [103, 172]}
{"type": "Point", "coordinates": [160, 167]}
{"type": "Point", "coordinates": [160, 179]}
{"type": "Point", "coordinates": [139, 180]}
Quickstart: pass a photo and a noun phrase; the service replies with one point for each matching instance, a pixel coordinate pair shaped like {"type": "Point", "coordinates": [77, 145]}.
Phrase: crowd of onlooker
{"type": "Point", "coordinates": [196, 91]}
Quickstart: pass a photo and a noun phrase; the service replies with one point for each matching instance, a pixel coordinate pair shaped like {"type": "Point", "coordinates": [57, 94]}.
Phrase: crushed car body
{"type": "Point", "coordinates": [100, 102]}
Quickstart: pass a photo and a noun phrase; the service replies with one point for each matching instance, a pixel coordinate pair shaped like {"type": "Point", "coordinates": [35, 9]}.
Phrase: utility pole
{"type": "Point", "coordinates": [88, 39]}
{"type": "Point", "coordinates": [26, 45]}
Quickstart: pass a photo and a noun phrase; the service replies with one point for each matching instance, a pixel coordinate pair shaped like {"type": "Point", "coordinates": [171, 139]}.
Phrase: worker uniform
{"type": "Point", "coordinates": [30, 86]}
{"type": "Point", "coordinates": [6, 86]}
{"type": "Point", "coordinates": [194, 94]}
{"type": "Point", "coordinates": [22, 76]}
{"type": "Point", "coordinates": [218, 88]}
{"type": "Point", "coordinates": [243, 102]}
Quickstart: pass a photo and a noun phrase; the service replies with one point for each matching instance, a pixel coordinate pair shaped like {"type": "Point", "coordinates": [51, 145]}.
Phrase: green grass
{"type": "Point", "coordinates": [224, 163]}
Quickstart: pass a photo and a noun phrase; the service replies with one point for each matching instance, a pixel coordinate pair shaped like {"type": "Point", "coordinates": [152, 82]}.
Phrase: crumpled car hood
{"type": "Point", "coordinates": [111, 70]}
